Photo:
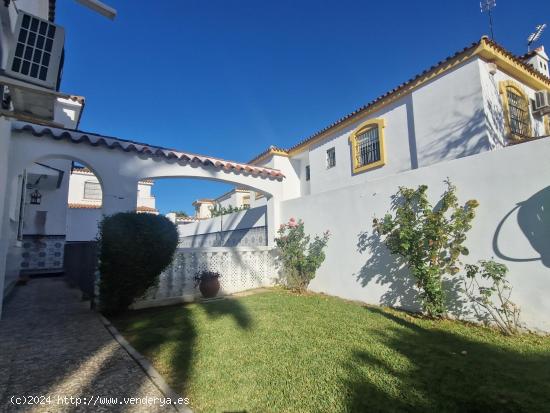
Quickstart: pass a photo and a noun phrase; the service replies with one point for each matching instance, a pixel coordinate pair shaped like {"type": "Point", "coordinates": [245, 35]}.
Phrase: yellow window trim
{"type": "Point", "coordinates": [547, 124]}
{"type": "Point", "coordinates": [369, 124]}
{"type": "Point", "coordinates": [503, 87]}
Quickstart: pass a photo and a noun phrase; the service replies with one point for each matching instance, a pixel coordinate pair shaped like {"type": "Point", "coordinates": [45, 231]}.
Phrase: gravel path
{"type": "Point", "coordinates": [51, 344]}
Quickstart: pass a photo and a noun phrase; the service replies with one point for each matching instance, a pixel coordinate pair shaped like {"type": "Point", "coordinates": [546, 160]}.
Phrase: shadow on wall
{"type": "Point", "coordinates": [388, 270]}
{"type": "Point", "coordinates": [391, 271]}
{"type": "Point", "coordinates": [533, 217]}
{"type": "Point", "coordinates": [479, 133]}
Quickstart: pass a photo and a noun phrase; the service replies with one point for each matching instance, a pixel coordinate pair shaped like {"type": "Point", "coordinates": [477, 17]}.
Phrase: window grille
{"type": "Point", "coordinates": [92, 190]}
{"type": "Point", "coordinates": [331, 158]}
{"type": "Point", "coordinates": [368, 147]}
{"type": "Point", "coordinates": [518, 108]}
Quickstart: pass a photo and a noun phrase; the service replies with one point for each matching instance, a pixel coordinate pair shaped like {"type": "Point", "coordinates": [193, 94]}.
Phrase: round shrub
{"type": "Point", "coordinates": [134, 250]}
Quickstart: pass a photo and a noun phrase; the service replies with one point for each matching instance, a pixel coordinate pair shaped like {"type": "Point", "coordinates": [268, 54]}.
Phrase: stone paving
{"type": "Point", "coordinates": [51, 344]}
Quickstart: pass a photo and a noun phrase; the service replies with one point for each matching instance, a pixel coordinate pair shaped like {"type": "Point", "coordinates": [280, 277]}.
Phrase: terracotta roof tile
{"type": "Point", "coordinates": [83, 206]}
{"type": "Point", "coordinates": [402, 89]}
{"type": "Point", "coordinates": [77, 136]}
{"type": "Point", "coordinates": [143, 208]}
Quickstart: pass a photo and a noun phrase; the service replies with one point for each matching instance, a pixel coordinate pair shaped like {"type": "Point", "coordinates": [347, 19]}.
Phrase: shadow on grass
{"type": "Point", "coordinates": [440, 378]}
{"type": "Point", "coordinates": [171, 335]}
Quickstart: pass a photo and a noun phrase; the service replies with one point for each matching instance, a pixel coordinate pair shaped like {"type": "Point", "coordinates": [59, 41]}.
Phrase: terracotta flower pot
{"type": "Point", "coordinates": [209, 287]}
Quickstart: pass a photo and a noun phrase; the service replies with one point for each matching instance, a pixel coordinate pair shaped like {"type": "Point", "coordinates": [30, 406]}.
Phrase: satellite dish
{"type": "Point", "coordinates": [99, 7]}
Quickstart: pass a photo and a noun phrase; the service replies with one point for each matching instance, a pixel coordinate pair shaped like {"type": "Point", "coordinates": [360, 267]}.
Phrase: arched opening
{"type": "Point", "coordinates": [60, 202]}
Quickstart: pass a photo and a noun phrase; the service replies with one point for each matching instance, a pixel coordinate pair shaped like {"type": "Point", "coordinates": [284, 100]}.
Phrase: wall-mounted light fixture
{"type": "Point", "coordinates": [36, 197]}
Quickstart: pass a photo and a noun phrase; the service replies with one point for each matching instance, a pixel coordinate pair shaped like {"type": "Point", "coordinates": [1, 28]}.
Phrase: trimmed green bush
{"type": "Point", "coordinates": [134, 250]}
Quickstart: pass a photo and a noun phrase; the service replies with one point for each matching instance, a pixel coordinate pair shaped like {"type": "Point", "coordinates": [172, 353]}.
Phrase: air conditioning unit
{"type": "Point", "coordinates": [36, 53]}
{"type": "Point", "coordinates": [542, 102]}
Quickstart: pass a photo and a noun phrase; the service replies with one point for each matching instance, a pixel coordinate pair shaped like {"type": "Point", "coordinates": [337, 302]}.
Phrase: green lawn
{"type": "Point", "coordinates": [280, 352]}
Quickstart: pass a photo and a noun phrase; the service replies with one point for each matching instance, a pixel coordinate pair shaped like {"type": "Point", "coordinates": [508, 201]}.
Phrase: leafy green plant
{"type": "Point", "coordinates": [430, 239]}
{"type": "Point", "coordinates": [300, 257]}
{"type": "Point", "coordinates": [134, 250]}
{"type": "Point", "coordinates": [219, 210]}
{"type": "Point", "coordinates": [181, 214]}
{"type": "Point", "coordinates": [486, 286]}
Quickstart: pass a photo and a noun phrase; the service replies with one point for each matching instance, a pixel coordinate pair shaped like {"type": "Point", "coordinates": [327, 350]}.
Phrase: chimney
{"type": "Point", "coordinates": [538, 59]}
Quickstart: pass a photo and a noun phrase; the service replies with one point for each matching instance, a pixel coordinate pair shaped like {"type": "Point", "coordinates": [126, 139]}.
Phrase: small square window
{"type": "Point", "coordinates": [308, 173]}
{"type": "Point", "coordinates": [92, 190]}
{"type": "Point", "coordinates": [331, 158]}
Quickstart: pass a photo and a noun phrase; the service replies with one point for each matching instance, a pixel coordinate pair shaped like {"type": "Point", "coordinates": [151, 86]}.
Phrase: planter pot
{"type": "Point", "coordinates": [209, 288]}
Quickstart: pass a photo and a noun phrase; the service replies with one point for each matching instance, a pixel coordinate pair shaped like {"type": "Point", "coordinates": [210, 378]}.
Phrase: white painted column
{"type": "Point", "coordinates": [5, 136]}
{"type": "Point", "coordinates": [273, 219]}
{"type": "Point", "coordinates": [119, 194]}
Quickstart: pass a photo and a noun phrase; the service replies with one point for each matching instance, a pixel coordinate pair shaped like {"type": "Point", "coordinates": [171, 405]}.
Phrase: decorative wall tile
{"type": "Point", "coordinates": [43, 253]}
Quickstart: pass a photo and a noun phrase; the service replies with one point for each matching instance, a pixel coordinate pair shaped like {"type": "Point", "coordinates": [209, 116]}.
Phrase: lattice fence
{"type": "Point", "coordinates": [241, 268]}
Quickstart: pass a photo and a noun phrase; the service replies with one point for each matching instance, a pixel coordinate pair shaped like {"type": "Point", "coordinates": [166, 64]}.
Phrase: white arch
{"type": "Point", "coordinates": [119, 168]}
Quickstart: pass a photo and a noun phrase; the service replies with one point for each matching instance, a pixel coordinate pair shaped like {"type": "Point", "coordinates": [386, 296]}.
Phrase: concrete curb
{"type": "Point", "coordinates": [147, 367]}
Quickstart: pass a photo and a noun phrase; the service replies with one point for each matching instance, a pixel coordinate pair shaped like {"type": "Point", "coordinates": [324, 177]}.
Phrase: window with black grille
{"type": "Point", "coordinates": [518, 107]}
{"type": "Point", "coordinates": [368, 147]}
{"type": "Point", "coordinates": [331, 158]}
{"type": "Point", "coordinates": [38, 47]}
{"type": "Point", "coordinates": [308, 173]}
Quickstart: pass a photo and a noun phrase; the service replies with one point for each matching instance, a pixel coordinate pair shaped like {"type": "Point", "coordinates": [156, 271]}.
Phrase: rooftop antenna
{"type": "Point", "coordinates": [487, 6]}
{"type": "Point", "coordinates": [533, 37]}
{"type": "Point", "coordinates": [99, 7]}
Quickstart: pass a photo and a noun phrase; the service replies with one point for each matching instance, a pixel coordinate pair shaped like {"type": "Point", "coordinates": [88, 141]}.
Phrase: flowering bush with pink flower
{"type": "Point", "coordinates": [300, 256]}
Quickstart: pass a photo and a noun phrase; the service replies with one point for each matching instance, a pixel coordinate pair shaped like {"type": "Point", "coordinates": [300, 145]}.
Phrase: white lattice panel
{"type": "Point", "coordinates": [241, 268]}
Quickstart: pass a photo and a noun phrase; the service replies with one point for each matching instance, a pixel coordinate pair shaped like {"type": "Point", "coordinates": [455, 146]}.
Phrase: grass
{"type": "Point", "coordinates": [280, 352]}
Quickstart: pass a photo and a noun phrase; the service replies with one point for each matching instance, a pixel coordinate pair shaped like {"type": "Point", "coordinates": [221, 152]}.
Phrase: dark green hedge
{"type": "Point", "coordinates": [134, 250]}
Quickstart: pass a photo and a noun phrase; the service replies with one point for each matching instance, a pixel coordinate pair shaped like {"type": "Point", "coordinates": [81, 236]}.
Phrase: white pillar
{"type": "Point", "coordinates": [5, 193]}
{"type": "Point", "coordinates": [273, 219]}
{"type": "Point", "coordinates": [119, 194]}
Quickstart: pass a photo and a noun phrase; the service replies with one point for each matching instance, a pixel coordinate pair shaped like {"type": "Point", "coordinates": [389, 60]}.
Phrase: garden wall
{"type": "Point", "coordinates": [239, 229]}
{"type": "Point", "coordinates": [241, 269]}
{"type": "Point", "coordinates": [512, 226]}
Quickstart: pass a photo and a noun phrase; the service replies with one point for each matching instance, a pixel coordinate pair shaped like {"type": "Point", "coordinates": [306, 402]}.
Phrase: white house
{"type": "Point", "coordinates": [479, 99]}
{"type": "Point", "coordinates": [476, 117]}
{"type": "Point", "coordinates": [40, 142]}
{"type": "Point", "coordinates": [85, 191]}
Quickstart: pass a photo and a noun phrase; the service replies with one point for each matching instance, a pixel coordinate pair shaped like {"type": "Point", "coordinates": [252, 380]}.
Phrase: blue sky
{"type": "Point", "coordinates": [229, 78]}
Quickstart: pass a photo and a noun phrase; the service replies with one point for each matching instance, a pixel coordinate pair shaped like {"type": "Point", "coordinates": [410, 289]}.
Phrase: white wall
{"type": "Point", "coordinates": [249, 218]}
{"type": "Point", "coordinates": [493, 99]}
{"type": "Point", "coordinates": [82, 224]}
{"type": "Point", "coordinates": [76, 189]}
{"type": "Point", "coordinates": [240, 269]}
{"type": "Point", "coordinates": [441, 120]}
{"type": "Point", "coordinates": [53, 202]}
{"type": "Point", "coordinates": [78, 181]}
{"type": "Point", "coordinates": [513, 188]}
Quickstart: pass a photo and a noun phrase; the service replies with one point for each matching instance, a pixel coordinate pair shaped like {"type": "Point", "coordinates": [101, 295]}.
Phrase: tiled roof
{"type": "Point", "coordinates": [83, 206]}
{"type": "Point", "coordinates": [270, 150]}
{"type": "Point", "coordinates": [142, 208]}
{"type": "Point", "coordinates": [77, 136]}
{"type": "Point", "coordinates": [408, 85]}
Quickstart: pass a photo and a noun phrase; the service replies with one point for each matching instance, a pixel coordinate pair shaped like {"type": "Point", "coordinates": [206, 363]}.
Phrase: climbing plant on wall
{"type": "Point", "coordinates": [429, 238]}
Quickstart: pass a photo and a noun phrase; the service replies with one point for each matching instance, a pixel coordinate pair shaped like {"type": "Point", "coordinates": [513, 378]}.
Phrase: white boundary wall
{"type": "Point", "coordinates": [512, 225]}
{"type": "Point", "coordinates": [241, 269]}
